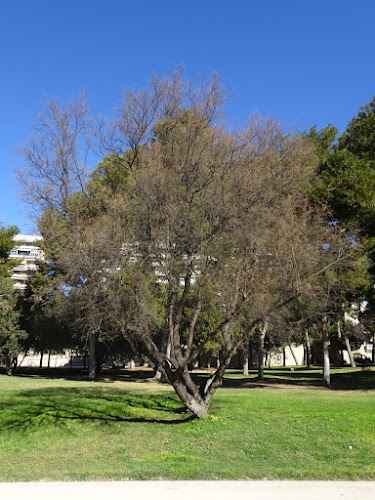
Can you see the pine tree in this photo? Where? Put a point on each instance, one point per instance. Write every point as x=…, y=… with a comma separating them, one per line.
x=10, y=333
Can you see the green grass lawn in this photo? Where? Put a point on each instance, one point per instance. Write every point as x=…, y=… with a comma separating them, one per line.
x=65, y=429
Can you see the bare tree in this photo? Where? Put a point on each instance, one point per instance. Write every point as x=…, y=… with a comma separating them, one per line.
x=56, y=156
x=54, y=175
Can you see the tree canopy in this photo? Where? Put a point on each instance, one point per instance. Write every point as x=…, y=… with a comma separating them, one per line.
x=187, y=237
x=347, y=173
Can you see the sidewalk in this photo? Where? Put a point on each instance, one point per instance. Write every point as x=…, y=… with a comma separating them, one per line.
x=195, y=490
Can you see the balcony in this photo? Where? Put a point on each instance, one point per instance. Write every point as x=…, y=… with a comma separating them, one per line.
x=20, y=276
x=19, y=286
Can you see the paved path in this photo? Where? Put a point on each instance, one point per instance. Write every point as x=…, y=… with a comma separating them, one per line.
x=192, y=490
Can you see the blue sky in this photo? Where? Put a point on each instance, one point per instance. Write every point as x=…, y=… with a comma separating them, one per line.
x=303, y=62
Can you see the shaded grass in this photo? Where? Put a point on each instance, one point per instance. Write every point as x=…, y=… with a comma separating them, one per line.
x=341, y=378
x=61, y=429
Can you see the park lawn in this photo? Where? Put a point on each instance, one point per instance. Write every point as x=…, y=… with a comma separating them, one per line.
x=66, y=429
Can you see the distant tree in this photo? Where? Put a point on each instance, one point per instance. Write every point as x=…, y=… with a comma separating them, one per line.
x=7, y=235
x=347, y=174
x=359, y=136
x=45, y=314
x=56, y=157
x=56, y=160
x=346, y=182
x=10, y=332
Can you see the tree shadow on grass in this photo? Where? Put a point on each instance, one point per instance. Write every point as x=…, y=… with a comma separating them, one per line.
x=107, y=375
x=299, y=378
x=55, y=407
x=234, y=380
x=362, y=379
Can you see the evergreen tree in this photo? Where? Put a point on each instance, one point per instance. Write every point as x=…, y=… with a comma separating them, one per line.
x=6, y=244
x=10, y=333
x=346, y=182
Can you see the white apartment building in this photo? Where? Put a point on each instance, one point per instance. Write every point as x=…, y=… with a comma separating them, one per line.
x=28, y=252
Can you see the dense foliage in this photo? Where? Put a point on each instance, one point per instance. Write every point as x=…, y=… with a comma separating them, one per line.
x=10, y=332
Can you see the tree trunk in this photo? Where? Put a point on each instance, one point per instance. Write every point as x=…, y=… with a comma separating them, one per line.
x=8, y=365
x=195, y=397
x=340, y=357
x=284, y=357
x=349, y=349
x=266, y=361
x=270, y=359
x=23, y=359
x=261, y=338
x=293, y=354
x=198, y=398
x=165, y=348
x=92, y=357
x=49, y=359
x=245, y=365
x=250, y=351
x=41, y=360
x=195, y=404
x=308, y=349
x=326, y=379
